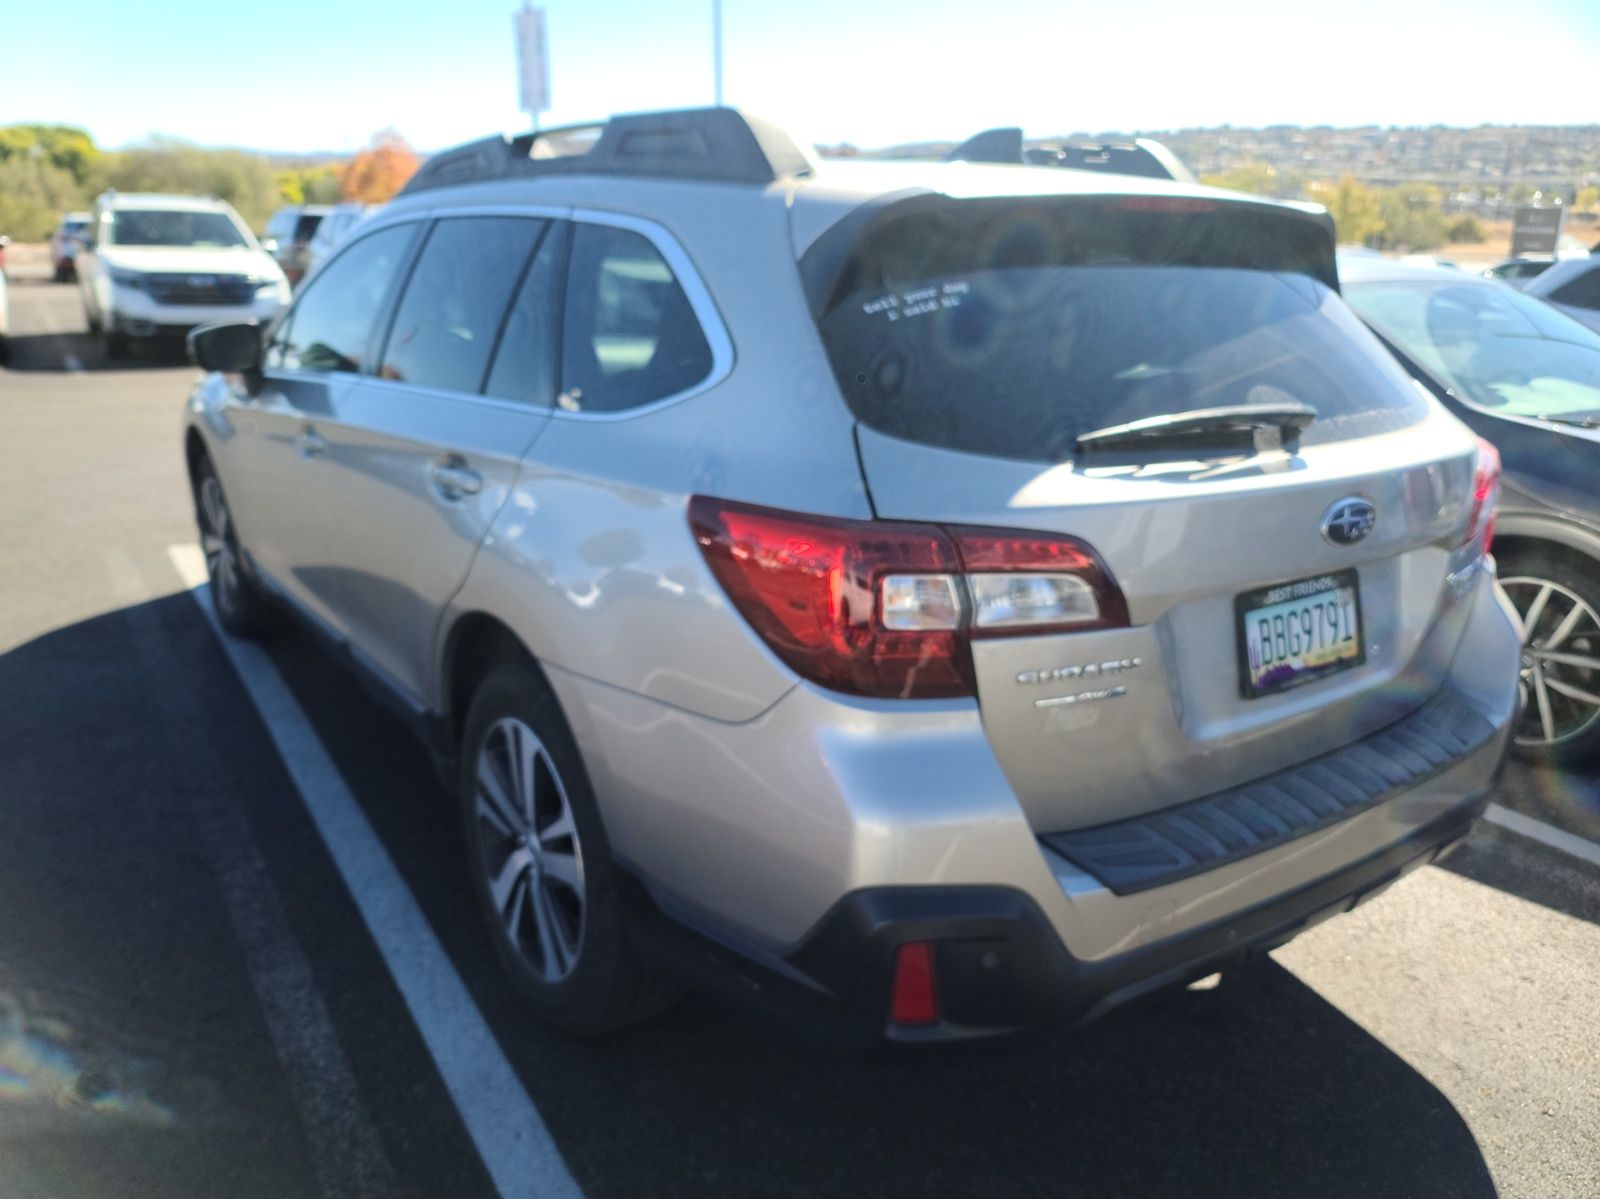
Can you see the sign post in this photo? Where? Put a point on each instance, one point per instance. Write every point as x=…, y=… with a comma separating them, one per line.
x=1536, y=230
x=533, y=60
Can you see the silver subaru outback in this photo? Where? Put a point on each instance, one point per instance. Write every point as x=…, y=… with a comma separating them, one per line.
x=929, y=600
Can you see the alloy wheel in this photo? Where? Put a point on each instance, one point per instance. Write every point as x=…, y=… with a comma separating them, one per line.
x=1560, y=674
x=216, y=540
x=528, y=849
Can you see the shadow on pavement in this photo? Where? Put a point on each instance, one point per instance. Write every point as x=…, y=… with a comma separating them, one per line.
x=61, y=353
x=1256, y=1087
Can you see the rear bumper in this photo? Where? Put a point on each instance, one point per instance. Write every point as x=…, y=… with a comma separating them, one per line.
x=1000, y=967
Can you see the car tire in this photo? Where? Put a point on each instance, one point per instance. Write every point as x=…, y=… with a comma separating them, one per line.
x=1559, y=724
x=115, y=341
x=241, y=606
x=540, y=866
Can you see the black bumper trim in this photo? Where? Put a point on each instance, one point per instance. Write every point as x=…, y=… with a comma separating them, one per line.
x=1000, y=966
x=1190, y=838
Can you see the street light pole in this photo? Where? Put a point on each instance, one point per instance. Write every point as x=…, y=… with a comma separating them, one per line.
x=716, y=48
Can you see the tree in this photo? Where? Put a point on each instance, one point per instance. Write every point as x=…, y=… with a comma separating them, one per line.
x=1587, y=199
x=1354, y=208
x=1465, y=230
x=34, y=192
x=63, y=146
x=1259, y=178
x=246, y=181
x=379, y=171
x=1412, y=218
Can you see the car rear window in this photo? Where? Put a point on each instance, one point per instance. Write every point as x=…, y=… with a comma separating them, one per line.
x=1009, y=328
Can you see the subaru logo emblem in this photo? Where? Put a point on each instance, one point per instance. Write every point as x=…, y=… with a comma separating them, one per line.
x=1349, y=520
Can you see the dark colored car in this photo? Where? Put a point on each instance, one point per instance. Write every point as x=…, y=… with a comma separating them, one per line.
x=1517, y=271
x=1526, y=377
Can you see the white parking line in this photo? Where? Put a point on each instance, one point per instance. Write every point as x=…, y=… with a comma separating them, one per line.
x=1545, y=834
x=506, y=1128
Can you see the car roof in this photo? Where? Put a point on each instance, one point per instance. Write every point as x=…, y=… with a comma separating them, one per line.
x=158, y=200
x=1359, y=268
x=80, y=217
x=1564, y=271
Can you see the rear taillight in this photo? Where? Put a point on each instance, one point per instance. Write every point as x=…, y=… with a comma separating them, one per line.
x=1485, y=496
x=887, y=608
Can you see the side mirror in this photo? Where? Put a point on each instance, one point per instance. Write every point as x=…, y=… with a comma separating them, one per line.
x=234, y=348
x=269, y=244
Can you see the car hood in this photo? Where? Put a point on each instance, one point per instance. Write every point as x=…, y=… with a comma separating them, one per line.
x=190, y=259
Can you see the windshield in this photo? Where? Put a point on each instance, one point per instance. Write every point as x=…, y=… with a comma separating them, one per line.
x=177, y=227
x=1015, y=336
x=1494, y=347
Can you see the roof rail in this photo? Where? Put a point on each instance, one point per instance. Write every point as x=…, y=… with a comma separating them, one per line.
x=711, y=145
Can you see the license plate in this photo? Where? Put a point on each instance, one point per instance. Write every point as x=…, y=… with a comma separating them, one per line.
x=1298, y=632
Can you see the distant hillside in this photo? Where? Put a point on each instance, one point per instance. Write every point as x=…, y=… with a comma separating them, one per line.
x=1554, y=158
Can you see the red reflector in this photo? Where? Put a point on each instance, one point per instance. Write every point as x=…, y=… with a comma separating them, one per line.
x=914, y=1000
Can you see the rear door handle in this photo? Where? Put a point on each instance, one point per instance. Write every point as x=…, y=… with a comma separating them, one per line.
x=453, y=478
x=310, y=443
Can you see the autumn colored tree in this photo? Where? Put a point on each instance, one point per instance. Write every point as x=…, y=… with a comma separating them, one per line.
x=378, y=172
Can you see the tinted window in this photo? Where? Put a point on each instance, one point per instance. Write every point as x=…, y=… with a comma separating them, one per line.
x=456, y=299
x=158, y=227
x=631, y=336
x=1011, y=329
x=524, y=365
x=331, y=325
x=1582, y=292
x=307, y=225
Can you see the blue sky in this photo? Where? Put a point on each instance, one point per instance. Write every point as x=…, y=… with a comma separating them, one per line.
x=325, y=74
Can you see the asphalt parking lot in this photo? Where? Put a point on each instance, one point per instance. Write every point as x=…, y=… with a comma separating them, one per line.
x=201, y=995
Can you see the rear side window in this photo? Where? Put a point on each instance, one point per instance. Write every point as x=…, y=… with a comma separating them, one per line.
x=306, y=226
x=1010, y=328
x=1582, y=292
x=630, y=336
x=445, y=328
x=525, y=362
x=332, y=323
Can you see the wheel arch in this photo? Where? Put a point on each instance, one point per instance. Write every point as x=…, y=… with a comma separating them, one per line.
x=1530, y=531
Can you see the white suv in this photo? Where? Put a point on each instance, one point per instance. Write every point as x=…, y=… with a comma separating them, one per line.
x=154, y=265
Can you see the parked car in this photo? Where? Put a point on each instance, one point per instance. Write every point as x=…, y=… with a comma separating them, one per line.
x=333, y=229
x=1572, y=285
x=154, y=265
x=831, y=580
x=1527, y=378
x=1517, y=271
x=4, y=242
x=288, y=236
x=1140, y=156
x=64, y=245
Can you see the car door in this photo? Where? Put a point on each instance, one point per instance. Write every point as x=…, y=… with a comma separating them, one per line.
x=278, y=484
x=422, y=457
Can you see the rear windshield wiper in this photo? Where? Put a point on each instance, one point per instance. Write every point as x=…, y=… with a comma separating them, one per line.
x=1231, y=426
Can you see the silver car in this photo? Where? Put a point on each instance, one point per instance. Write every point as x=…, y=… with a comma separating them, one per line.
x=929, y=600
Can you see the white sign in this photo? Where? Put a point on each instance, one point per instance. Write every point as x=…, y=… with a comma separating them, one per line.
x=533, y=59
